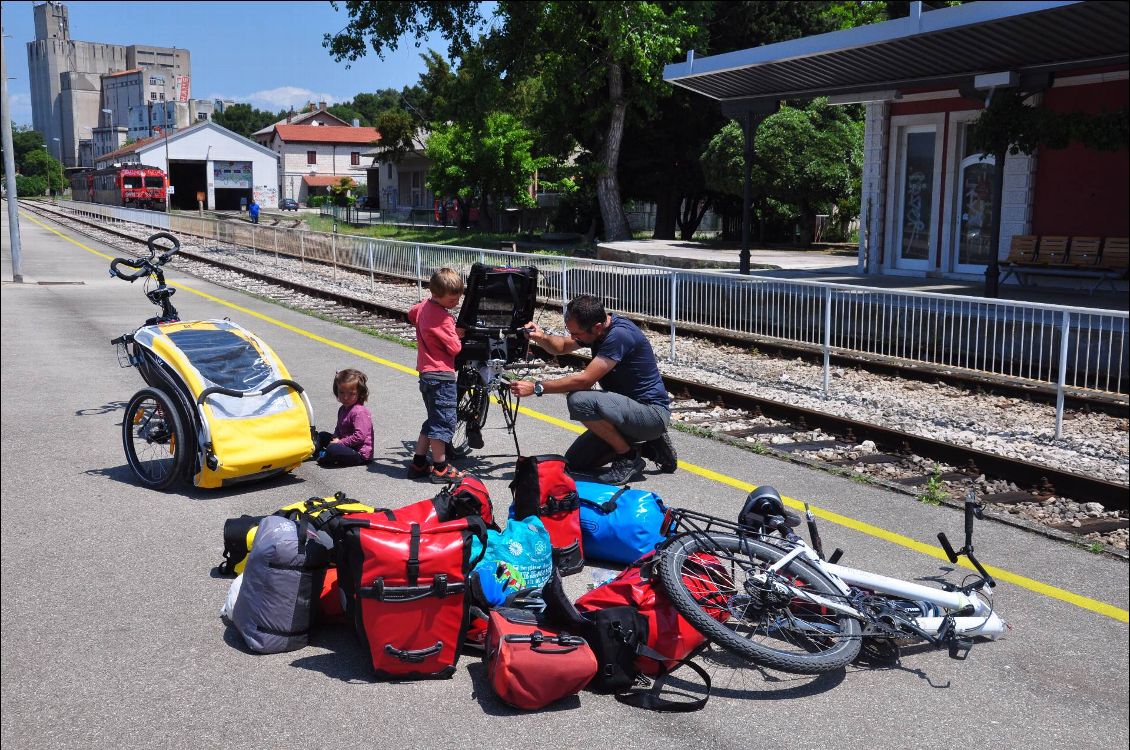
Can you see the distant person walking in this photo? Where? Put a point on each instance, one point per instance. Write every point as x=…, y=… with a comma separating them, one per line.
x=253, y=211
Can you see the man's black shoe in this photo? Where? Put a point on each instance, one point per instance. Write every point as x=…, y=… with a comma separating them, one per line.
x=622, y=469
x=661, y=452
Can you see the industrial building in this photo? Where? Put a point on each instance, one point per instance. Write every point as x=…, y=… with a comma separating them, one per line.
x=88, y=98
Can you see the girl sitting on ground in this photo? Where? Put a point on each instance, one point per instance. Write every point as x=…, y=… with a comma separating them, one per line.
x=351, y=443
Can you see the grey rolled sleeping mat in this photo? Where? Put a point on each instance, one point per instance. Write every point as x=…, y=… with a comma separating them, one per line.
x=281, y=584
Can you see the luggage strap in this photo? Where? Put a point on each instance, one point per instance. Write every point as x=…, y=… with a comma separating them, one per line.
x=414, y=555
x=559, y=504
x=608, y=505
x=648, y=694
x=440, y=587
x=538, y=639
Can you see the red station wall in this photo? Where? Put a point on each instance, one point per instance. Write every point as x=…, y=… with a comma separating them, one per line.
x=1079, y=191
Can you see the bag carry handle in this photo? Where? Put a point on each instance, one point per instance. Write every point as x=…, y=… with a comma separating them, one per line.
x=440, y=587
x=608, y=505
x=538, y=639
x=414, y=657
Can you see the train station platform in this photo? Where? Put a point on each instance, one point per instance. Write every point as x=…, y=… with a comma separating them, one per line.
x=836, y=268
x=111, y=634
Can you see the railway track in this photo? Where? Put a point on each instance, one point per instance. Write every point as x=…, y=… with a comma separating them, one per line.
x=935, y=471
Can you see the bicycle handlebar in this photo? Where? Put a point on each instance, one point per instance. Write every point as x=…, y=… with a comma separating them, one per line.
x=164, y=257
x=142, y=265
x=150, y=265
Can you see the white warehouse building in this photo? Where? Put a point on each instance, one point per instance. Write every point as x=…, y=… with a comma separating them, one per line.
x=209, y=163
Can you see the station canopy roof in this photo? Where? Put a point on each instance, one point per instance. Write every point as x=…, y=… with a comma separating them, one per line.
x=938, y=48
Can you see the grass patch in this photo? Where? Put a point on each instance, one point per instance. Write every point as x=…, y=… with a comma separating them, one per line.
x=441, y=236
x=935, y=491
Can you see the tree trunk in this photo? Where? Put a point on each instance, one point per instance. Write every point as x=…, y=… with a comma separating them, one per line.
x=666, y=213
x=694, y=210
x=607, y=183
x=484, y=213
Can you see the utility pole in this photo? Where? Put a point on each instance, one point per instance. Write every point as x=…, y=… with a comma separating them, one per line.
x=9, y=165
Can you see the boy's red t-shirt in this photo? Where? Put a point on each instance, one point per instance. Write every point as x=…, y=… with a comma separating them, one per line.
x=437, y=343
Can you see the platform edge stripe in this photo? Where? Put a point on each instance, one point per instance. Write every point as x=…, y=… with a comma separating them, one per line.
x=1078, y=600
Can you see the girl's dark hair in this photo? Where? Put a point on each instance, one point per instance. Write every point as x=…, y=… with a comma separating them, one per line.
x=586, y=310
x=358, y=378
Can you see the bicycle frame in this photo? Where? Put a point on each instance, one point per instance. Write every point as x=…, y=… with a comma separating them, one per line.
x=963, y=613
x=977, y=618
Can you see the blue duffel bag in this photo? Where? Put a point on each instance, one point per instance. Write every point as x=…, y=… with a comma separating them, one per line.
x=619, y=524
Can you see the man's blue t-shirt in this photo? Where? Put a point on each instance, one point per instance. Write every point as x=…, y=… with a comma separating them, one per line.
x=636, y=375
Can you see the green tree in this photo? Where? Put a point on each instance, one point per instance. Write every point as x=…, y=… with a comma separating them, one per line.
x=806, y=160
x=245, y=119
x=24, y=141
x=341, y=192
x=30, y=186
x=600, y=60
x=483, y=166
x=39, y=163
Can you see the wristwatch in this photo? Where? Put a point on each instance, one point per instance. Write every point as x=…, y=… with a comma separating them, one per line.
x=538, y=388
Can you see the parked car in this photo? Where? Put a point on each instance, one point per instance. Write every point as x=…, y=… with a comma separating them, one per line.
x=363, y=204
x=288, y=204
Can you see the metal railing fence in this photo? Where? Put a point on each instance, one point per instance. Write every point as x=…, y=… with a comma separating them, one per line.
x=1076, y=348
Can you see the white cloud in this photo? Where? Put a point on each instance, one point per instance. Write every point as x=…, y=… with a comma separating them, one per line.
x=283, y=97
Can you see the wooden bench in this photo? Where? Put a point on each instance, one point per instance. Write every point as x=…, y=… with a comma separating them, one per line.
x=1081, y=257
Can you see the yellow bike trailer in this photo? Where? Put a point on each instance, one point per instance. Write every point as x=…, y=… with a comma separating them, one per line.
x=234, y=398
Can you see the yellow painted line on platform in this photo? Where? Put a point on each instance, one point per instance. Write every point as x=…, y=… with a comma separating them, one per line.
x=1084, y=602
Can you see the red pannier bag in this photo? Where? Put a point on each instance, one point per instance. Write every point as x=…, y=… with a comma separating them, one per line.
x=467, y=497
x=329, y=601
x=406, y=591
x=668, y=633
x=529, y=666
x=542, y=488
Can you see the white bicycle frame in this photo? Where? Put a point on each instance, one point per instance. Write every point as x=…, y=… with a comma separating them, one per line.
x=981, y=621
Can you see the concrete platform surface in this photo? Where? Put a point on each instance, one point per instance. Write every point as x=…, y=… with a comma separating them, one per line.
x=110, y=629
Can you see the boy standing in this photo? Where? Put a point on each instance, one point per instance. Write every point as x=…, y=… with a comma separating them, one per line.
x=437, y=343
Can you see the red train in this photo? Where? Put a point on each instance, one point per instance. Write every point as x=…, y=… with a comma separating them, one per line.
x=130, y=185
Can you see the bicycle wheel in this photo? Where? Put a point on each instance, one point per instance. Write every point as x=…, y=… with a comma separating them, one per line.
x=155, y=440
x=735, y=606
x=470, y=413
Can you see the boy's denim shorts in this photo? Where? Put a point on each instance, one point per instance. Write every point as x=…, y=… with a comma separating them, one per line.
x=439, y=398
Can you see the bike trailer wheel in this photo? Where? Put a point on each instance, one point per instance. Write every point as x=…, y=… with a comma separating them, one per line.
x=746, y=615
x=155, y=440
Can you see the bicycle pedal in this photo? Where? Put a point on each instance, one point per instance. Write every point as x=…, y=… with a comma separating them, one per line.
x=959, y=648
x=475, y=440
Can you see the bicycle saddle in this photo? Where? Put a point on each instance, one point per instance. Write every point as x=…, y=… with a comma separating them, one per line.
x=762, y=504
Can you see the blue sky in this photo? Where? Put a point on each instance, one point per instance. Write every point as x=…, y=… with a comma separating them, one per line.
x=268, y=54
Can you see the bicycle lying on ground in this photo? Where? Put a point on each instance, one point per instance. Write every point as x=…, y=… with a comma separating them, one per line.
x=220, y=405
x=773, y=599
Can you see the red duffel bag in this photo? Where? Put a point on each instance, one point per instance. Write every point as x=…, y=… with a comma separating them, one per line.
x=406, y=592
x=669, y=633
x=530, y=666
x=542, y=488
x=467, y=497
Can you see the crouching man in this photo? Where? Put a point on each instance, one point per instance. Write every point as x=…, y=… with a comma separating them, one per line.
x=628, y=419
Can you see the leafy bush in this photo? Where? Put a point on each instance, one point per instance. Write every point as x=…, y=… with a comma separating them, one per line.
x=30, y=186
x=314, y=201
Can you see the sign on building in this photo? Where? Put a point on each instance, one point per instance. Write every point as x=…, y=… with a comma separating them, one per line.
x=183, y=86
x=232, y=174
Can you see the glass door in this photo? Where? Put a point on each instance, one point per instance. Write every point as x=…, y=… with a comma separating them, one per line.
x=914, y=207
x=973, y=219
